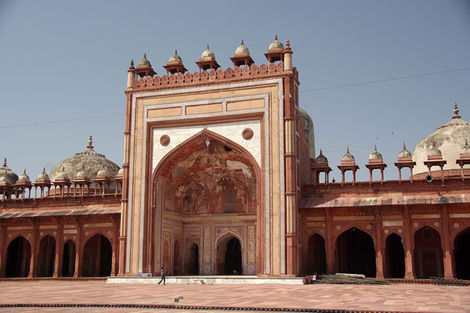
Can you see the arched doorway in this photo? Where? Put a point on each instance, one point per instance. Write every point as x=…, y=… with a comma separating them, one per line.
x=68, y=260
x=176, y=258
x=45, y=260
x=97, y=256
x=462, y=255
x=18, y=258
x=192, y=261
x=316, y=255
x=204, y=176
x=394, y=257
x=229, y=256
x=355, y=253
x=428, y=253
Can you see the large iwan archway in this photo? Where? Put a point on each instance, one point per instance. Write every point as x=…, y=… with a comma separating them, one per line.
x=201, y=188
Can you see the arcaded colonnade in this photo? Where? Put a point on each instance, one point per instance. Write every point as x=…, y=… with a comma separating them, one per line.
x=85, y=246
x=429, y=237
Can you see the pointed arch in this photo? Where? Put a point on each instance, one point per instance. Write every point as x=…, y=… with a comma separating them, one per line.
x=18, y=257
x=229, y=254
x=355, y=252
x=428, y=261
x=170, y=190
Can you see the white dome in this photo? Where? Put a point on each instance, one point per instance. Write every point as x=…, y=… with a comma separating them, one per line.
x=449, y=139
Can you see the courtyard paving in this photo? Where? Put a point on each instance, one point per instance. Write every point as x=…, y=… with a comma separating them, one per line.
x=388, y=298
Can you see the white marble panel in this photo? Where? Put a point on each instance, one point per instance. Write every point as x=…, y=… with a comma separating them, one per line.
x=232, y=131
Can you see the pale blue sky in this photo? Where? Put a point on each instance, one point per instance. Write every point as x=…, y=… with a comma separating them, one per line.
x=62, y=60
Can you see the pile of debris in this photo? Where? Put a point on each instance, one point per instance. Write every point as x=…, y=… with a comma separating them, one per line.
x=345, y=278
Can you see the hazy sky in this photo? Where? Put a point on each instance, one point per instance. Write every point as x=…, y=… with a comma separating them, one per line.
x=63, y=68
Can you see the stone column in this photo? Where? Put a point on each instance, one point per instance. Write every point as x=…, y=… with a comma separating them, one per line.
x=59, y=251
x=329, y=244
x=34, y=244
x=379, y=261
x=78, y=248
x=408, y=244
x=3, y=249
x=447, y=246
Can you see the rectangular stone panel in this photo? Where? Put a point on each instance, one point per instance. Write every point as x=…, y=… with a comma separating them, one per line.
x=204, y=108
x=164, y=112
x=245, y=105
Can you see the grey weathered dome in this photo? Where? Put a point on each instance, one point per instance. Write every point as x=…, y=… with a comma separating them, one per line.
x=433, y=151
x=43, y=177
x=242, y=49
x=449, y=139
x=89, y=162
x=24, y=178
x=276, y=44
x=404, y=154
x=207, y=54
x=7, y=173
x=375, y=156
x=321, y=158
x=61, y=176
x=144, y=61
x=175, y=58
x=348, y=157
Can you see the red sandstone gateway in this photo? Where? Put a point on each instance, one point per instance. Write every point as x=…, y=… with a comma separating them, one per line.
x=220, y=177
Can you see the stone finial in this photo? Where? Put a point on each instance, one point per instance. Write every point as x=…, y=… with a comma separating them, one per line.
x=287, y=44
x=132, y=64
x=456, y=111
x=90, y=143
x=404, y=146
x=5, y=162
x=275, y=37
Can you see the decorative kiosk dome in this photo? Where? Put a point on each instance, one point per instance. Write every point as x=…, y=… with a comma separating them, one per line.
x=321, y=159
x=24, y=178
x=276, y=44
x=207, y=54
x=7, y=174
x=348, y=157
x=375, y=156
x=404, y=154
x=84, y=164
x=448, y=140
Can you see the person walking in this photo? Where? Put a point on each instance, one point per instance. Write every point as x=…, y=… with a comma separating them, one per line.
x=162, y=273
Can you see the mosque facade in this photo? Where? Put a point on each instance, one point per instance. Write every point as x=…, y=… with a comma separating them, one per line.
x=220, y=177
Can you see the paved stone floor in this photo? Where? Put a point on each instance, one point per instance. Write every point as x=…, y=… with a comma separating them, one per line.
x=395, y=298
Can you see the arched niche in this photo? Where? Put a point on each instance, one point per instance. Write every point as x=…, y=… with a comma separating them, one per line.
x=462, y=254
x=316, y=262
x=18, y=257
x=97, y=257
x=394, y=257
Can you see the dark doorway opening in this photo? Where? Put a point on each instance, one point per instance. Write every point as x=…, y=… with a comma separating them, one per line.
x=18, y=258
x=428, y=253
x=233, y=257
x=97, y=257
x=192, y=264
x=394, y=257
x=316, y=255
x=68, y=263
x=462, y=255
x=46, y=257
x=176, y=258
x=355, y=253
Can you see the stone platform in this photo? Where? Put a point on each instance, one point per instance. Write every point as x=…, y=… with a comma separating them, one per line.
x=208, y=280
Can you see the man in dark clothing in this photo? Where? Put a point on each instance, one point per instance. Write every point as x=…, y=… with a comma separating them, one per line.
x=162, y=273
